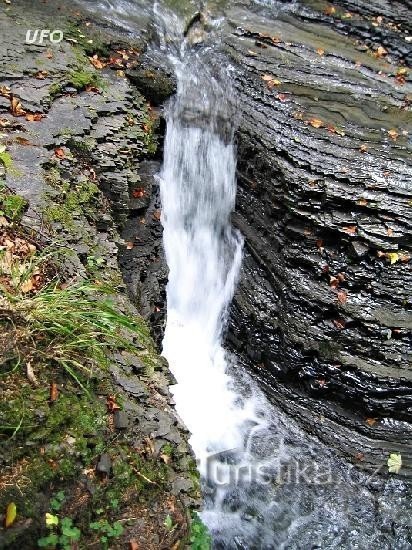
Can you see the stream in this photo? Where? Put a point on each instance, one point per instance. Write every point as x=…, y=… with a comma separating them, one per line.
x=266, y=483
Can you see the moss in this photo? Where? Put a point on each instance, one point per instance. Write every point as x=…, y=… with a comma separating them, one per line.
x=81, y=78
x=55, y=89
x=6, y=159
x=73, y=200
x=12, y=206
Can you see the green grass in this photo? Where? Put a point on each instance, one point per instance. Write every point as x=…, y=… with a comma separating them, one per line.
x=72, y=327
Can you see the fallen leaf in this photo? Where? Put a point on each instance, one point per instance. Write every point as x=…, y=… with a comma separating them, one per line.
x=282, y=97
x=330, y=10
x=331, y=128
x=363, y=148
x=362, y=202
x=360, y=457
x=342, y=296
x=138, y=192
x=339, y=323
x=96, y=62
x=22, y=141
x=27, y=286
x=41, y=75
x=157, y=215
x=315, y=122
x=393, y=134
x=93, y=89
x=133, y=545
x=350, y=230
x=59, y=152
x=54, y=392
x=129, y=245
x=34, y=117
x=320, y=51
x=49, y=54
x=112, y=406
x=393, y=257
x=333, y=282
x=165, y=458
x=30, y=374
x=5, y=92
x=381, y=52
x=394, y=463
x=371, y=421
x=16, y=108
x=11, y=513
x=340, y=277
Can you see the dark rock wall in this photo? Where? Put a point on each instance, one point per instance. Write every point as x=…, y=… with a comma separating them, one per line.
x=322, y=309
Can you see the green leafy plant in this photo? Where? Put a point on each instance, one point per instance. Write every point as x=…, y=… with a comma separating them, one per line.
x=199, y=535
x=62, y=533
x=57, y=501
x=107, y=531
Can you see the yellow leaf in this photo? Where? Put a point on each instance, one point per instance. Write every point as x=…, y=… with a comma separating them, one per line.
x=51, y=520
x=11, y=513
x=393, y=257
x=394, y=463
x=320, y=51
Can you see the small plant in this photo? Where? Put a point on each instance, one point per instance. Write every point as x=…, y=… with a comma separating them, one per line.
x=57, y=501
x=62, y=533
x=199, y=535
x=107, y=531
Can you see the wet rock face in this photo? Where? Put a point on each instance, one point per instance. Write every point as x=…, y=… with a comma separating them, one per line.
x=324, y=189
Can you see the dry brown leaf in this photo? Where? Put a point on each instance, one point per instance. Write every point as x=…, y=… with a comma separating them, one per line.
x=165, y=458
x=59, y=152
x=129, y=245
x=320, y=51
x=381, y=52
x=350, y=230
x=34, y=117
x=96, y=62
x=30, y=375
x=360, y=457
x=315, y=122
x=22, y=141
x=133, y=545
x=54, y=392
x=393, y=134
x=5, y=92
x=362, y=202
x=16, y=108
x=41, y=75
x=371, y=421
x=363, y=148
x=330, y=10
x=342, y=296
x=27, y=286
x=339, y=323
x=333, y=282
